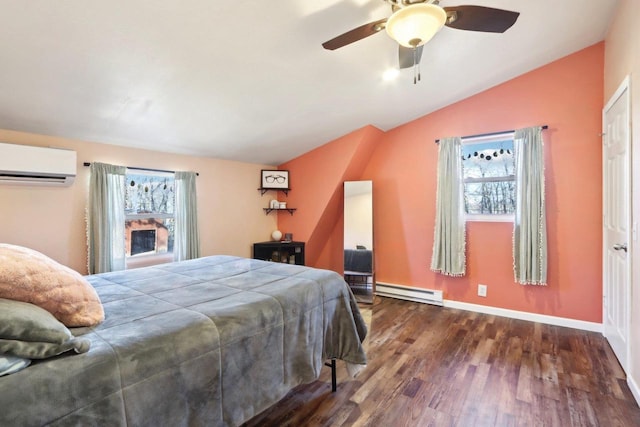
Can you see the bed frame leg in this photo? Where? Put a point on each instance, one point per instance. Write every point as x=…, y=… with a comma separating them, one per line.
x=334, y=382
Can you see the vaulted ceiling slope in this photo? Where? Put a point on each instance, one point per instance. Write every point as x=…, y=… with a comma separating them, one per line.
x=248, y=80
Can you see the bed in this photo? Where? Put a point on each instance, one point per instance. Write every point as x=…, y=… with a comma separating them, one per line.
x=212, y=341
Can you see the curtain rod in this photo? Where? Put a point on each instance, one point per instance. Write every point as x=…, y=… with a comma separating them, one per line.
x=143, y=169
x=480, y=135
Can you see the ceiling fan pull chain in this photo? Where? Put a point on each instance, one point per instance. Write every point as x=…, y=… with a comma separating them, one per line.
x=415, y=66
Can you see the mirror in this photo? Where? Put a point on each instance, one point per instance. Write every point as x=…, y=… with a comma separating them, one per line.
x=358, y=239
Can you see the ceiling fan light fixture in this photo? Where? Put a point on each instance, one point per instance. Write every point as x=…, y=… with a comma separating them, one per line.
x=414, y=25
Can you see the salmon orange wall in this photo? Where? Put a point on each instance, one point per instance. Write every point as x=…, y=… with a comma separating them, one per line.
x=316, y=181
x=567, y=96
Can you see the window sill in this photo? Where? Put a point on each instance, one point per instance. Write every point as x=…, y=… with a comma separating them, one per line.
x=148, y=260
x=489, y=218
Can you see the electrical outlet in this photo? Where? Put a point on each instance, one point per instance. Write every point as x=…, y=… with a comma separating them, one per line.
x=482, y=290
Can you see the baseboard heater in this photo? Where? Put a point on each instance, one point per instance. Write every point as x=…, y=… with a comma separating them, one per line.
x=428, y=296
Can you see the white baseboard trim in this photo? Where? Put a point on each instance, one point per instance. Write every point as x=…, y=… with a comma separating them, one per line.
x=635, y=390
x=523, y=315
x=435, y=297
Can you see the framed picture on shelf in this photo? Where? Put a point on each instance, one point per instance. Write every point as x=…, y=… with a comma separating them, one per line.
x=274, y=179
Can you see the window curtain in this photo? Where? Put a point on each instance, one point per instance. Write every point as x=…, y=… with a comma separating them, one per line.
x=187, y=240
x=448, y=256
x=530, y=224
x=105, y=218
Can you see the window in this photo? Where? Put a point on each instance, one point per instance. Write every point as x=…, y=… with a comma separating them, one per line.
x=149, y=213
x=488, y=167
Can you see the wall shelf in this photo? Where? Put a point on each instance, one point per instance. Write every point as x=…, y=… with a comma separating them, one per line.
x=264, y=190
x=267, y=211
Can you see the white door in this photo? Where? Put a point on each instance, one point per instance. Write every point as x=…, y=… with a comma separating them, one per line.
x=616, y=222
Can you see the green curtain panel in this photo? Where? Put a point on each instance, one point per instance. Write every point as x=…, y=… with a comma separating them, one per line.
x=105, y=218
x=449, y=243
x=530, y=224
x=187, y=239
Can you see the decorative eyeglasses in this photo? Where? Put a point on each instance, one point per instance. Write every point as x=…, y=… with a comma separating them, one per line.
x=275, y=178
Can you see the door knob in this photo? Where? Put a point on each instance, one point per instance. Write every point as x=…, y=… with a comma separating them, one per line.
x=619, y=246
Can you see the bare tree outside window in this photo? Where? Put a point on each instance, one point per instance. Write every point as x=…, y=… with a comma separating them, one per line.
x=149, y=194
x=489, y=177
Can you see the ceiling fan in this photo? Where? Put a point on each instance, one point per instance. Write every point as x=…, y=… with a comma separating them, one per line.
x=415, y=22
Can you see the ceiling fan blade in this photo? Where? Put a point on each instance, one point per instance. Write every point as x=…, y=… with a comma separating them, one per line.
x=405, y=56
x=480, y=18
x=354, y=35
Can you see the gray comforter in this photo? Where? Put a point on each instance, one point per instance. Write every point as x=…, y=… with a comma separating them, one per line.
x=212, y=341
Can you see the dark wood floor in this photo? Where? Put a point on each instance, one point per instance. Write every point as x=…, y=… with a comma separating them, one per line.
x=434, y=366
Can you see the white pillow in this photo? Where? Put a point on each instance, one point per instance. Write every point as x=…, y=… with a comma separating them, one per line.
x=12, y=364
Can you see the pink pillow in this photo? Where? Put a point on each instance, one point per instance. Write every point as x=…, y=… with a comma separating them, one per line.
x=29, y=276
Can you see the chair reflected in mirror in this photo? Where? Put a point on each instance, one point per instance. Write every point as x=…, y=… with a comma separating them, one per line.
x=358, y=239
x=358, y=272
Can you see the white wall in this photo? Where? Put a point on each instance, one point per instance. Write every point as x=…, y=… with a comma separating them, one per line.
x=622, y=58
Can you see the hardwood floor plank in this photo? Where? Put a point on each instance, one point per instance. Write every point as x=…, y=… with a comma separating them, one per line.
x=435, y=366
x=524, y=388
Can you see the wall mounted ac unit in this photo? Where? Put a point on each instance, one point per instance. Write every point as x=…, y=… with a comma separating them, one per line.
x=29, y=165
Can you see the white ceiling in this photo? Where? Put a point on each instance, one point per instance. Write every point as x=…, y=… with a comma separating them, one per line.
x=248, y=80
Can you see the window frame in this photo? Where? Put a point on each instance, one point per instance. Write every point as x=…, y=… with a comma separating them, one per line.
x=138, y=260
x=487, y=139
